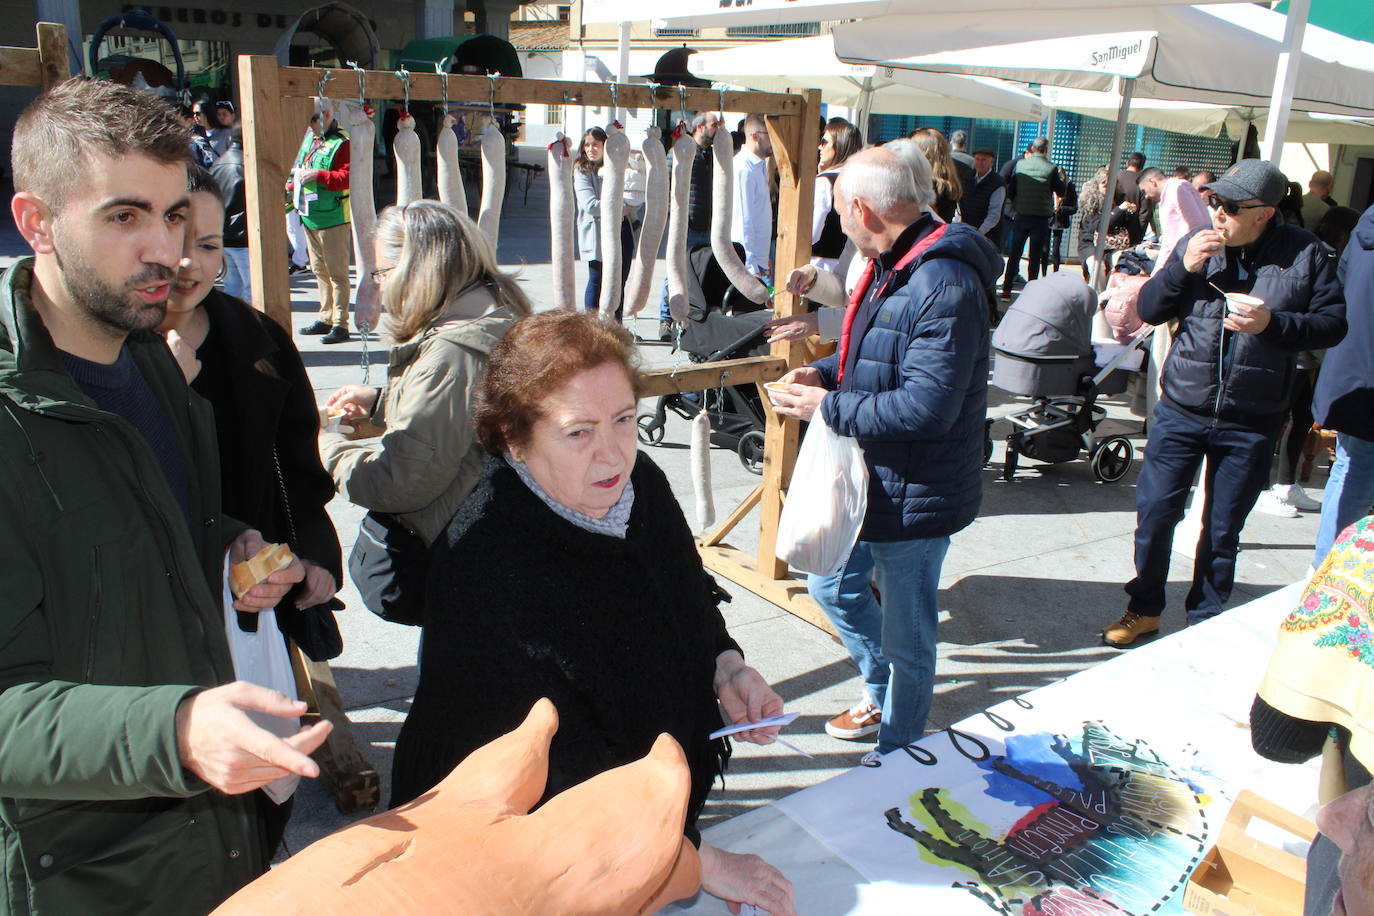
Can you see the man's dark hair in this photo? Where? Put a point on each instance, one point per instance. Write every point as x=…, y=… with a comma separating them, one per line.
x=1181, y=171
x=1152, y=172
x=1207, y=176
x=1135, y=161
x=1040, y=146
x=56, y=133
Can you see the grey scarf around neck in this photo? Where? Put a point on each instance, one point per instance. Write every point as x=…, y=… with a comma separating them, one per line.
x=613, y=524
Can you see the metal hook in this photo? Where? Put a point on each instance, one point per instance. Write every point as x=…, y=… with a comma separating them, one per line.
x=323, y=81
x=362, y=81
x=653, y=95
x=491, y=95
x=404, y=76
x=615, y=103
x=721, y=92
x=682, y=97
x=441, y=68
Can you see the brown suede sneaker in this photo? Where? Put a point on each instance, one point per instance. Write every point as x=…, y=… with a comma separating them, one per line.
x=1129, y=628
x=858, y=721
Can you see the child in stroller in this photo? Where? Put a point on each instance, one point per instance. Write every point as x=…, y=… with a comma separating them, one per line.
x=722, y=324
x=1044, y=349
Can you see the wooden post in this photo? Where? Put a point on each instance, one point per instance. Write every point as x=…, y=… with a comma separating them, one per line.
x=267, y=160
x=795, y=140
x=350, y=777
x=54, y=64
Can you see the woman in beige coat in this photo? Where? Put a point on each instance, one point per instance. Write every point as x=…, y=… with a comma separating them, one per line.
x=446, y=305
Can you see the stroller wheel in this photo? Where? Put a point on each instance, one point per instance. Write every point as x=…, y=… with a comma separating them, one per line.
x=1112, y=459
x=750, y=450
x=650, y=429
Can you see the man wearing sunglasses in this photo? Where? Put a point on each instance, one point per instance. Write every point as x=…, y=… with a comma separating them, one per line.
x=1225, y=382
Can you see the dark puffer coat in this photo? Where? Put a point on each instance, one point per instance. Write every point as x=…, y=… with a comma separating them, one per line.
x=1344, y=399
x=1245, y=380
x=917, y=394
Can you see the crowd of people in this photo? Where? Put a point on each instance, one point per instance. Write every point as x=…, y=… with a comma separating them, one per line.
x=509, y=511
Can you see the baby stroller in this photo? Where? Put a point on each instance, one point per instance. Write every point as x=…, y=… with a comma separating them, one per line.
x=723, y=324
x=1043, y=349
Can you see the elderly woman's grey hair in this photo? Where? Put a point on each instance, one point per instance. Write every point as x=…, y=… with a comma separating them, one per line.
x=439, y=254
x=910, y=152
x=884, y=182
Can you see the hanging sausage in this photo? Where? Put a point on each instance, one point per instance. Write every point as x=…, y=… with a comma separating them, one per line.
x=406, y=148
x=562, y=210
x=655, y=217
x=493, y=180
x=617, y=156
x=684, y=148
x=701, y=468
x=722, y=210
x=451, y=190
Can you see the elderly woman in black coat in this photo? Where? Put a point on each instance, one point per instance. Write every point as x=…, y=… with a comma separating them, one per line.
x=570, y=573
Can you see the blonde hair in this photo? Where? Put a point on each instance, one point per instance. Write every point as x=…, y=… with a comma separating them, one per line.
x=933, y=143
x=439, y=254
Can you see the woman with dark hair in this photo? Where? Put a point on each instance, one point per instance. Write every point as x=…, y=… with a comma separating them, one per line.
x=570, y=573
x=839, y=141
x=587, y=188
x=266, y=424
x=944, y=169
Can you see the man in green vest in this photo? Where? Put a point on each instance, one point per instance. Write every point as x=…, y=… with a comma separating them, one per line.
x=318, y=191
x=1031, y=192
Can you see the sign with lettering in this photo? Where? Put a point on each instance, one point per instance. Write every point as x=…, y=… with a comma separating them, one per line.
x=220, y=16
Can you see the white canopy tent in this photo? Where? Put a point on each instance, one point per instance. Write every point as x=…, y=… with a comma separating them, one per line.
x=1229, y=55
x=775, y=66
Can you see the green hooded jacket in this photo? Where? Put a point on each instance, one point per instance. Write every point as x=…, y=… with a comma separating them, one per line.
x=108, y=620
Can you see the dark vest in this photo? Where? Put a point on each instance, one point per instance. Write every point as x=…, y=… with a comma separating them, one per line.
x=1034, y=186
x=699, y=193
x=832, y=241
x=973, y=206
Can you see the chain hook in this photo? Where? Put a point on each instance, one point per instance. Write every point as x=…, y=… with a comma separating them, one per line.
x=324, y=80
x=615, y=103
x=491, y=95
x=682, y=98
x=441, y=68
x=404, y=76
x=362, y=81
x=720, y=90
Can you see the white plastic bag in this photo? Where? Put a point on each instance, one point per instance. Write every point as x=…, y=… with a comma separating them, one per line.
x=260, y=658
x=826, y=503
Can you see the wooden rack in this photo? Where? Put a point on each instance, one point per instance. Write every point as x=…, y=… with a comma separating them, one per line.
x=277, y=104
x=43, y=66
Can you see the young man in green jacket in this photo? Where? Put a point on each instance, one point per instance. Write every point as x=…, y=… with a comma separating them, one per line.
x=127, y=744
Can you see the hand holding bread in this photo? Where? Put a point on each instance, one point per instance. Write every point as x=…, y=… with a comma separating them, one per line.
x=261, y=574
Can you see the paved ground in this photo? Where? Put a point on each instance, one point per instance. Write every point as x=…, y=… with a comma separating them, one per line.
x=1025, y=591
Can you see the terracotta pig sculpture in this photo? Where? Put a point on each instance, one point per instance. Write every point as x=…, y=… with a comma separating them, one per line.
x=612, y=845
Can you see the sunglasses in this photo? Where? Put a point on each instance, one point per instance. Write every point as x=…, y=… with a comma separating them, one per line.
x=1230, y=206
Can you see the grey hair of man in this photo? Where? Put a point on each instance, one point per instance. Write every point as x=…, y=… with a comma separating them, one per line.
x=1040, y=146
x=909, y=152
x=959, y=140
x=884, y=183
x=701, y=120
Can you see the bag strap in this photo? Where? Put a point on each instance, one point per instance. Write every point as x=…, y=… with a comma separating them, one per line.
x=285, y=501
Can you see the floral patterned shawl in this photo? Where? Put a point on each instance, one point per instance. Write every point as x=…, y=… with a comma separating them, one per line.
x=1322, y=669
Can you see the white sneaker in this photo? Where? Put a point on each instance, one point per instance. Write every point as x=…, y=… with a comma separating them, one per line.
x=858, y=721
x=871, y=759
x=1273, y=502
x=1298, y=498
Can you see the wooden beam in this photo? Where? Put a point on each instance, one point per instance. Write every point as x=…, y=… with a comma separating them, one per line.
x=19, y=67
x=795, y=143
x=787, y=593
x=54, y=63
x=734, y=518
x=266, y=164
x=704, y=376
x=352, y=780
x=384, y=84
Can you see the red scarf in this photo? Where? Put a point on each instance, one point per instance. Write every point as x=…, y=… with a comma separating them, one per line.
x=862, y=289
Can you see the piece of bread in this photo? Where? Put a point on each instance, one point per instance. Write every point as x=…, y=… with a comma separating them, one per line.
x=245, y=575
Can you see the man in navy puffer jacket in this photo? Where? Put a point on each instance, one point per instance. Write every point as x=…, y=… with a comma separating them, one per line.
x=1226, y=382
x=909, y=382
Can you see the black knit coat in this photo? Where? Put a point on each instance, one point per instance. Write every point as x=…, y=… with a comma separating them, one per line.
x=622, y=636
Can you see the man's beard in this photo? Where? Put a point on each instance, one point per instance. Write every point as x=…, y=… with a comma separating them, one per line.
x=117, y=309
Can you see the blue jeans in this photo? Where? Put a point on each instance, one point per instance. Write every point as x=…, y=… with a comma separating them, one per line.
x=236, y=282
x=591, y=296
x=893, y=644
x=1349, y=491
x=1036, y=230
x=1238, y=471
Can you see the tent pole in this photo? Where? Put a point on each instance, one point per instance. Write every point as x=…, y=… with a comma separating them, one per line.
x=865, y=103
x=1285, y=78
x=1113, y=164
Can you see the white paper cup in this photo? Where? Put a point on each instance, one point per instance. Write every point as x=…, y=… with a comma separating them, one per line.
x=1235, y=299
x=331, y=418
x=775, y=388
